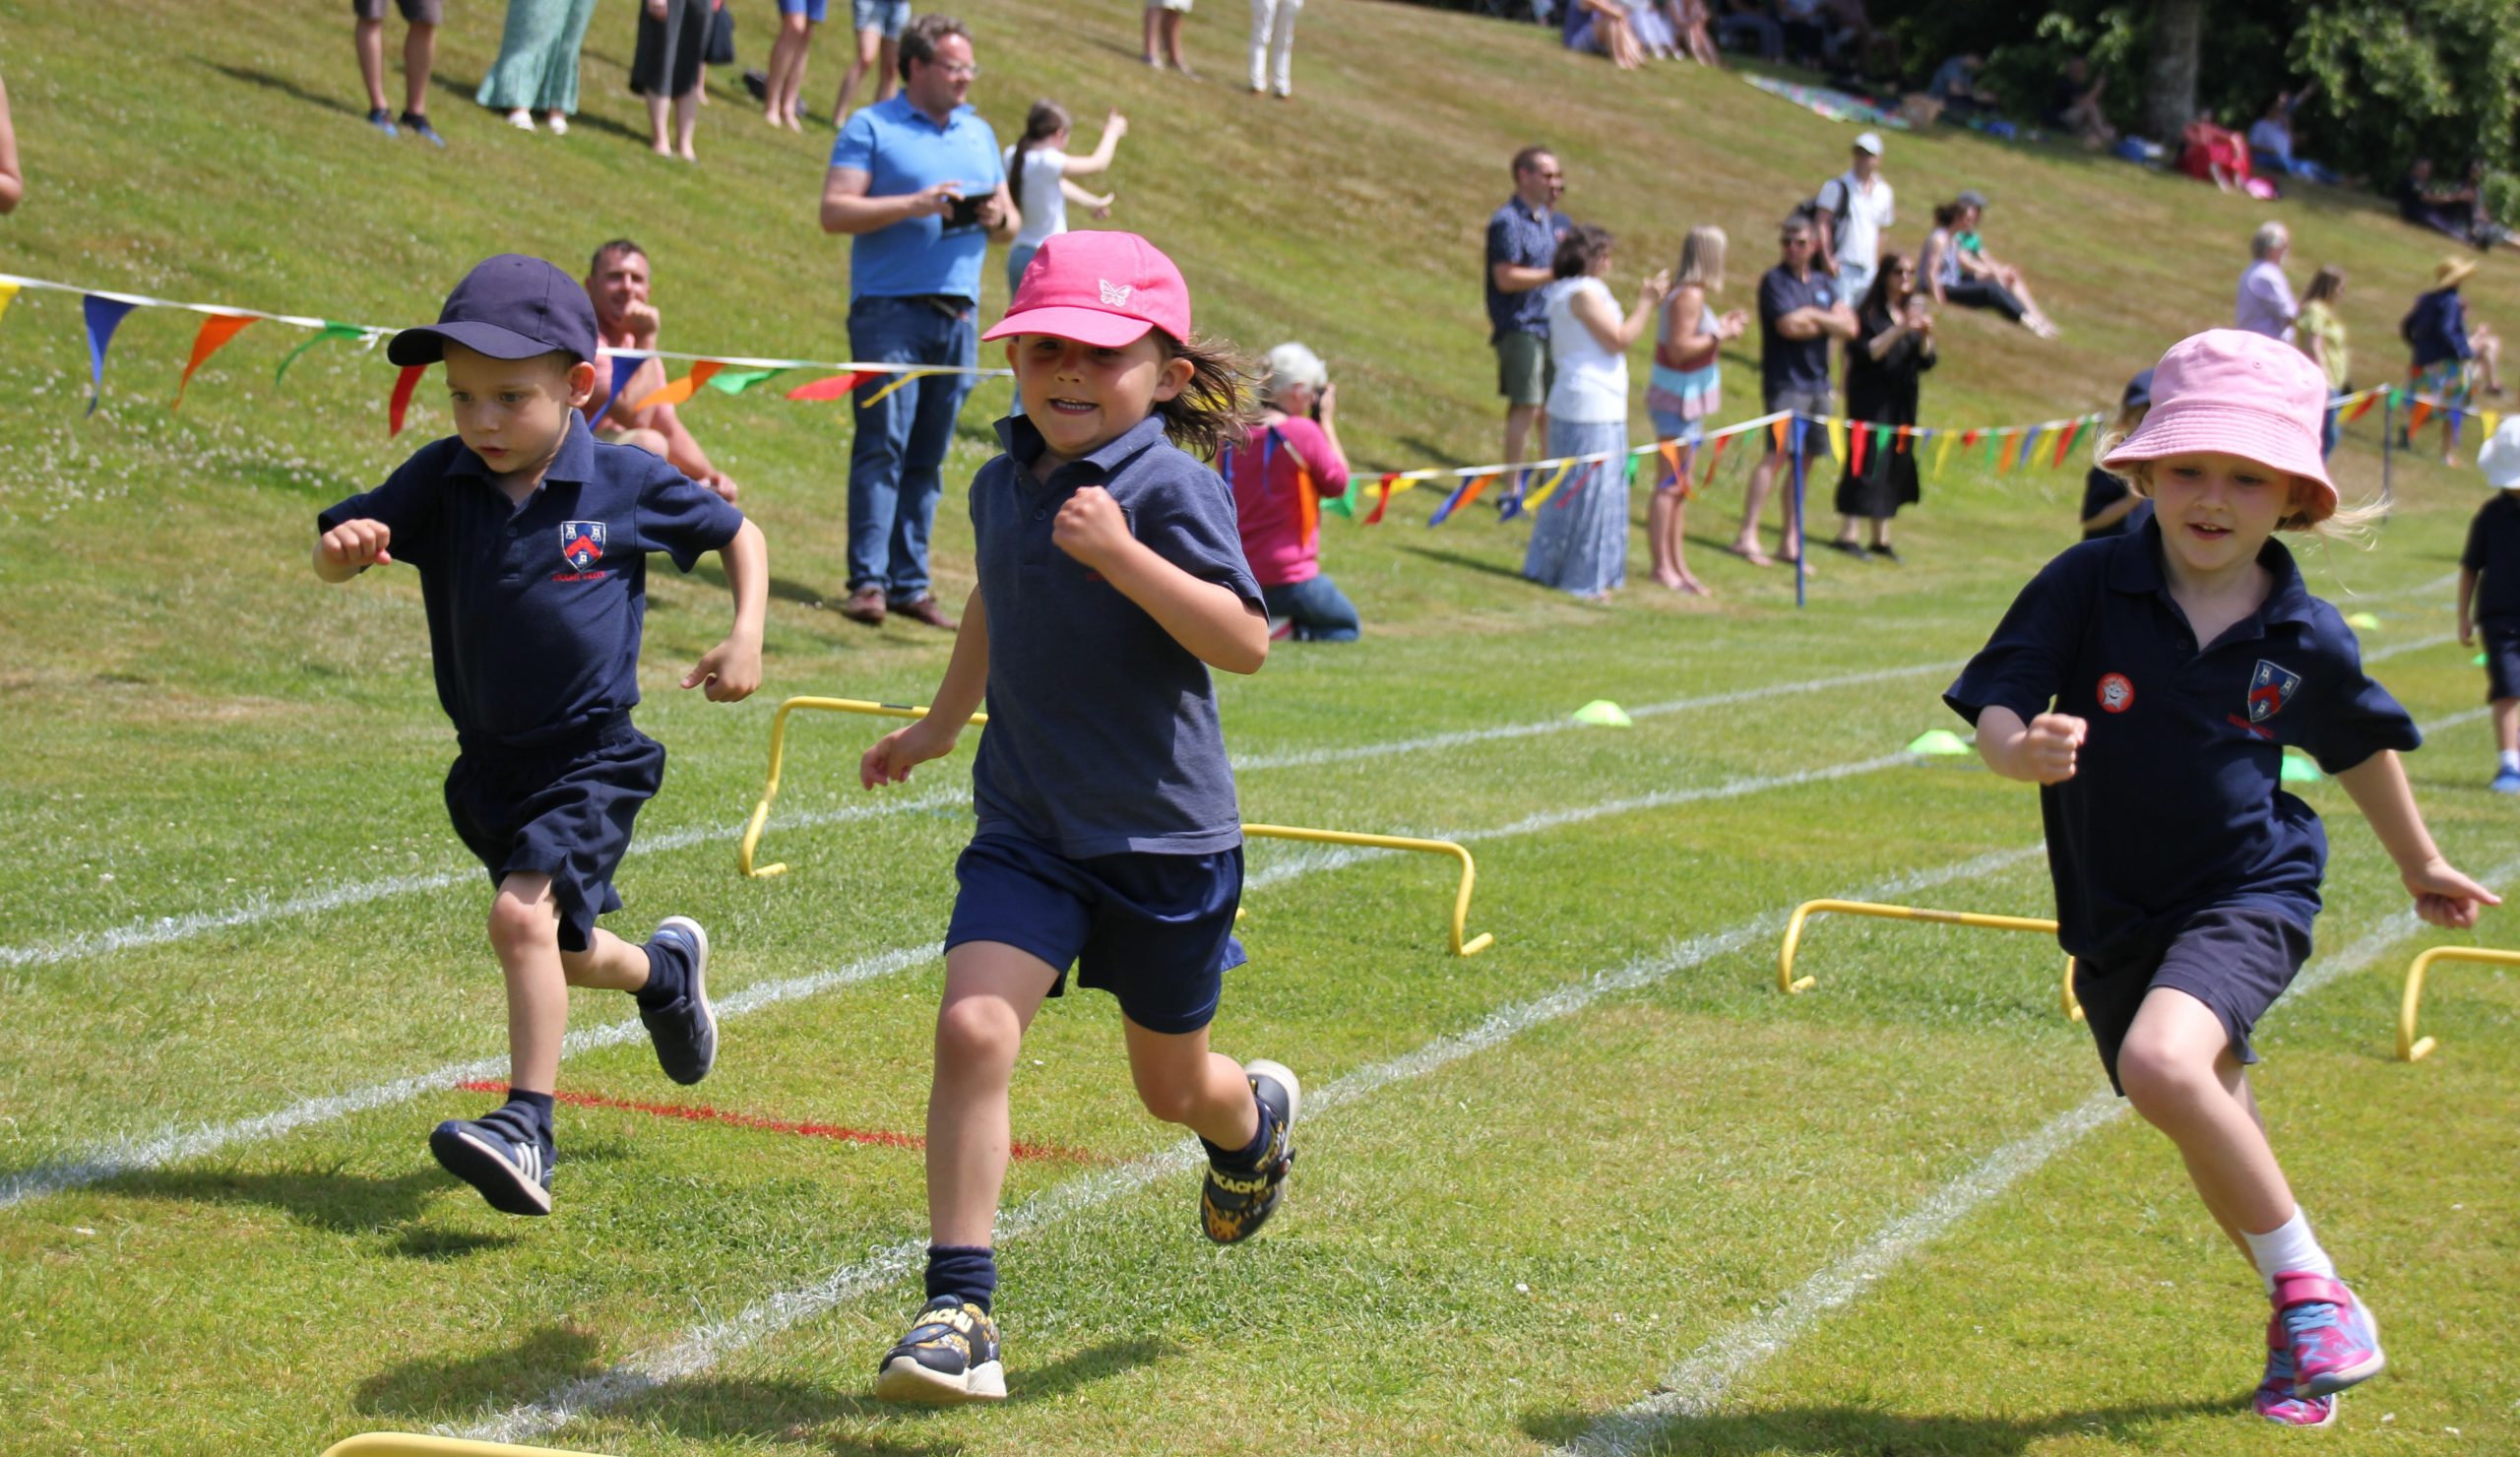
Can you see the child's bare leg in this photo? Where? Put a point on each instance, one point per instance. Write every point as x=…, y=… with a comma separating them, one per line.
x=419, y=54
x=525, y=932
x=368, y=37
x=1659, y=534
x=2506, y=725
x=991, y=991
x=2179, y=1071
x=1181, y=1081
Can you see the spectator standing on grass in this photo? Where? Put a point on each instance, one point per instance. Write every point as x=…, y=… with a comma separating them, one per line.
x=1161, y=25
x=795, y=40
x=665, y=68
x=2322, y=336
x=1522, y=248
x=2450, y=356
x=1892, y=350
x=1289, y=461
x=1038, y=170
x=1850, y=212
x=2491, y=560
x=616, y=284
x=878, y=24
x=920, y=186
x=421, y=19
x=538, y=65
x=2265, y=301
x=1800, y=310
x=1579, y=535
x=1272, y=45
x=1685, y=391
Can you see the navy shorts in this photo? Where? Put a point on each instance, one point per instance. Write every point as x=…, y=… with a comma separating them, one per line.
x=2235, y=959
x=562, y=811
x=2502, y=664
x=1155, y=930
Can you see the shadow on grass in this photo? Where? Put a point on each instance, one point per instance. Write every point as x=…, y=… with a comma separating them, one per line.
x=840, y=1416
x=344, y=1203
x=1467, y=563
x=442, y=1389
x=785, y=589
x=1855, y=1428
x=287, y=87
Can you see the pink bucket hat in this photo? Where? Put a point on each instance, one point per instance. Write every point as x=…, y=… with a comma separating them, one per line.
x=2232, y=391
x=1099, y=287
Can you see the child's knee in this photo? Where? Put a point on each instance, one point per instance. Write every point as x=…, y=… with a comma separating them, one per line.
x=977, y=1032
x=519, y=925
x=1172, y=1101
x=2161, y=1075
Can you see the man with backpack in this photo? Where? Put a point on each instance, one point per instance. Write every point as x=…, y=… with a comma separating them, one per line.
x=1847, y=219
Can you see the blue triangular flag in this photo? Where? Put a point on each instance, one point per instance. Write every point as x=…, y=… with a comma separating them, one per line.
x=104, y=315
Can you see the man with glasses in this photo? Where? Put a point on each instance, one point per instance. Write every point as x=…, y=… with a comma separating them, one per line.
x=1522, y=244
x=917, y=183
x=1800, y=309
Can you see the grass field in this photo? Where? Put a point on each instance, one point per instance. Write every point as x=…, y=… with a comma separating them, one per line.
x=1600, y=1184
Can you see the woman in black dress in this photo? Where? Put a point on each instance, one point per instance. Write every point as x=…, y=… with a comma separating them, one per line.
x=1893, y=345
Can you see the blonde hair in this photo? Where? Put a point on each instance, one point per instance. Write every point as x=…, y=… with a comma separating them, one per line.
x=1701, y=259
x=2351, y=523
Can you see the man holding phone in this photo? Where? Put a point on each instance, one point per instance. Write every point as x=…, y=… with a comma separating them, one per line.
x=918, y=184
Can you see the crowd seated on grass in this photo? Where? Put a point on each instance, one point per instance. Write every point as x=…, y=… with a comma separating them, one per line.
x=2270, y=141
x=1958, y=269
x=2453, y=209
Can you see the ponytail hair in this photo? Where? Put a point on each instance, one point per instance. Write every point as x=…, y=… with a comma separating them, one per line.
x=1046, y=120
x=1216, y=407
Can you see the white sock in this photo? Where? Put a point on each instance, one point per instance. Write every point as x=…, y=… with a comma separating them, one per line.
x=2287, y=1248
x=2511, y=760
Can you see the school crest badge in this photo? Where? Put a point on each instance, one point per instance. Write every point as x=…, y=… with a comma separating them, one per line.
x=581, y=543
x=2270, y=688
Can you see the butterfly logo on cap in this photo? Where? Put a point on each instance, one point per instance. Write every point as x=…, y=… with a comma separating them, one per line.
x=1114, y=296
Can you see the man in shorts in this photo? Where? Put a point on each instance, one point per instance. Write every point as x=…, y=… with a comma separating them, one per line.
x=419, y=52
x=1522, y=245
x=1800, y=309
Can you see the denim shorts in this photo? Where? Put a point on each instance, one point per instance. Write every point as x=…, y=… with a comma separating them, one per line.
x=563, y=810
x=2235, y=959
x=887, y=15
x=1155, y=930
x=812, y=10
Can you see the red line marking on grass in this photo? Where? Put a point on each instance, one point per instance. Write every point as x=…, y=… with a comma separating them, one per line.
x=702, y=1114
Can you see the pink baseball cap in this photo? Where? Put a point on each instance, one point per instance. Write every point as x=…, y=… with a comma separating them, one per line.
x=2232, y=391
x=1098, y=288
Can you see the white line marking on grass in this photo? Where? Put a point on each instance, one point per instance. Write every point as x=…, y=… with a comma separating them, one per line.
x=133, y=1155
x=2419, y=645
x=703, y=1346
x=254, y=912
x=1698, y=1384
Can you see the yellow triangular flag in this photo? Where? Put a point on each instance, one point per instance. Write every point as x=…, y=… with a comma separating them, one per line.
x=1837, y=439
x=8, y=295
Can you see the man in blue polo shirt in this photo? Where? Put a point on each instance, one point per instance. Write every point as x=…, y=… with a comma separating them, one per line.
x=918, y=184
x=1522, y=244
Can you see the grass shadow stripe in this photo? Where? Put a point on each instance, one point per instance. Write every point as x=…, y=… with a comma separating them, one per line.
x=1061, y=1205
x=701, y=1113
x=1698, y=1384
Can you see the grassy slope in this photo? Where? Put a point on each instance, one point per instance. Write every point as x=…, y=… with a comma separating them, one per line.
x=191, y=721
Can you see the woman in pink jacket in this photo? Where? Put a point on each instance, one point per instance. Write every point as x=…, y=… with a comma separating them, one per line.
x=1280, y=473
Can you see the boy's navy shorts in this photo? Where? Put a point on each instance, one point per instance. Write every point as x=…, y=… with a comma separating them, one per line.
x=563, y=810
x=2501, y=663
x=2235, y=959
x=1155, y=930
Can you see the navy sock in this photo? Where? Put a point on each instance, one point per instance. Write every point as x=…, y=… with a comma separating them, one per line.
x=1248, y=1159
x=535, y=1108
x=966, y=1272
x=668, y=977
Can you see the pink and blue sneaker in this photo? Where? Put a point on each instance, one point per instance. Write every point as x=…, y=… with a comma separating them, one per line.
x=2274, y=1399
x=2335, y=1342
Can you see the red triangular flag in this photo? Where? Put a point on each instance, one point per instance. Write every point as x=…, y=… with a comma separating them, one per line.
x=2065, y=441
x=215, y=330
x=395, y=409
x=1382, y=501
x=2365, y=408
x=1856, y=461
x=1716, y=455
x=835, y=387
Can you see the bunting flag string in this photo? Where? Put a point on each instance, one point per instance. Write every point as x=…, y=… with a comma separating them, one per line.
x=104, y=315
x=679, y=390
x=215, y=330
x=1469, y=492
x=1533, y=500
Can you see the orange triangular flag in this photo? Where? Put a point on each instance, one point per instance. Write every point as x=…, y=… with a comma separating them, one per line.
x=2416, y=417
x=1672, y=457
x=215, y=330
x=682, y=388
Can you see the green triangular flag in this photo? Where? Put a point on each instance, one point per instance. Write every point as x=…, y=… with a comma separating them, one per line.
x=736, y=381
x=2477, y=661
x=2298, y=770
x=2361, y=620
x=329, y=330
x=1937, y=741
x=1603, y=713
x=1342, y=504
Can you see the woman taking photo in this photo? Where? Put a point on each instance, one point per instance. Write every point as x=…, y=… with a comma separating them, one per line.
x=1892, y=346
x=1292, y=449
x=1579, y=535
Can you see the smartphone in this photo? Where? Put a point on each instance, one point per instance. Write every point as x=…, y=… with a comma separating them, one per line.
x=967, y=209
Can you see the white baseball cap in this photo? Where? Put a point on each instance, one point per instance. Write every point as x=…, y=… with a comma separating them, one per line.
x=2500, y=458
x=1869, y=141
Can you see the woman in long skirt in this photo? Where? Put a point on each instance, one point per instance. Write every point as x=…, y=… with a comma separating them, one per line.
x=1892, y=346
x=538, y=65
x=1579, y=533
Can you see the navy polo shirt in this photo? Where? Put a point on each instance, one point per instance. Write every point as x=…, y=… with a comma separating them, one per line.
x=1103, y=735
x=2176, y=804
x=2494, y=548
x=535, y=610
x=1526, y=239
x=1793, y=364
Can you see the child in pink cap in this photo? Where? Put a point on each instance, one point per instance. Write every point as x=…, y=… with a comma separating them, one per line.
x=2149, y=684
x=1111, y=578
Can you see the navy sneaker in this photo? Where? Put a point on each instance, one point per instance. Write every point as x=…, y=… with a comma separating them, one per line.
x=686, y=1033
x=419, y=126
x=2505, y=781
x=1234, y=1204
x=950, y=1356
x=502, y=1156
x=383, y=121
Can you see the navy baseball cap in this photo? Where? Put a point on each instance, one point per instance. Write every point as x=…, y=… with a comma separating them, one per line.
x=508, y=307
x=2139, y=392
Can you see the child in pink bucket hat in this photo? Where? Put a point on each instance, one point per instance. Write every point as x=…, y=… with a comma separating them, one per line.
x=2150, y=683
x=1111, y=578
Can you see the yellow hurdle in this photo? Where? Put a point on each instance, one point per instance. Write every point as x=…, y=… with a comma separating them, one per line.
x=1788, y=983
x=1463, y=944
x=2411, y=1048
x=405, y=1444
